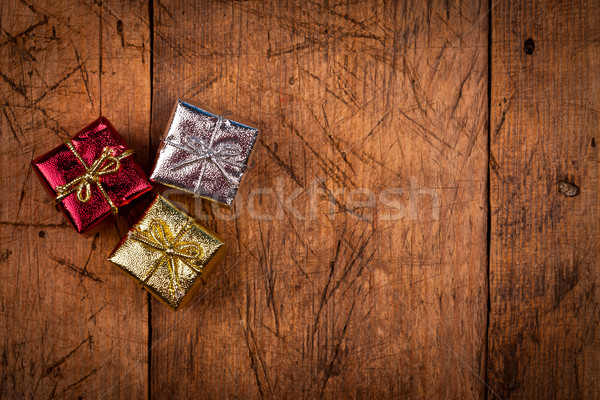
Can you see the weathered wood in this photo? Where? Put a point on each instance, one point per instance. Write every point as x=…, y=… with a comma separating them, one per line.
x=71, y=326
x=378, y=96
x=544, y=282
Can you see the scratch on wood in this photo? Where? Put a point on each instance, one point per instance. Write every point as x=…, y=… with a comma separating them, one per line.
x=13, y=38
x=165, y=9
x=61, y=360
x=10, y=125
x=297, y=47
x=266, y=260
x=84, y=378
x=415, y=86
x=334, y=143
x=330, y=370
x=93, y=316
x=23, y=191
x=428, y=132
x=14, y=86
x=287, y=168
x=84, y=273
x=502, y=116
x=373, y=128
x=251, y=353
x=341, y=206
x=84, y=76
x=335, y=171
x=462, y=85
x=57, y=84
x=327, y=89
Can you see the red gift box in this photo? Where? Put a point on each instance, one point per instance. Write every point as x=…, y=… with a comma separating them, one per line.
x=92, y=175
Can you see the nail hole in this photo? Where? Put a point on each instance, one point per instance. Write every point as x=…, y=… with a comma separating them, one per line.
x=529, y=46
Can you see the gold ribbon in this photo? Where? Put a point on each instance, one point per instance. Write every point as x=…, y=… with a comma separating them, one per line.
x=158, y=236
x=106, y=164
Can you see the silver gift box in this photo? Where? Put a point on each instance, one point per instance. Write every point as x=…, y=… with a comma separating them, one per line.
x=204, y=153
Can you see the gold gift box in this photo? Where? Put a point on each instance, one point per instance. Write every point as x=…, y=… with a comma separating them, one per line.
x=168, y=253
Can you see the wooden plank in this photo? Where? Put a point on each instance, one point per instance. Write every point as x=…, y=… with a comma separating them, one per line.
x=351, y=99
x=71, y=326
x=544, y=282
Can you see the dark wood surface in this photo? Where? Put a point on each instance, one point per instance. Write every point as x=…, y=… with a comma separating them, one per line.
x=346, y=98
x=70, y=324
x=406, y=229
x=544, y=269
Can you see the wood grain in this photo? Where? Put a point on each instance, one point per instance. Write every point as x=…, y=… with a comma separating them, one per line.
x=351, y=99
x=71, y=326
x=358, y=242
x=544, y=282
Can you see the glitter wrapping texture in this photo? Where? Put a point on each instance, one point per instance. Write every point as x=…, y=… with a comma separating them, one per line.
x=168, y=253
x=197, y=158
x=60, y=166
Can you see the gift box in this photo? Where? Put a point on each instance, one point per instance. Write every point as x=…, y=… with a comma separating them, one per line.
x=168, y=253
x=203, y=153
x=91, y=175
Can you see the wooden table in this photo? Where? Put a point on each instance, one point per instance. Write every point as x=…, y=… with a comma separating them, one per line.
x=420, y=219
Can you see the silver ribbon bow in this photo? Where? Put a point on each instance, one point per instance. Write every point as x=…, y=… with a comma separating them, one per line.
x=217, y=154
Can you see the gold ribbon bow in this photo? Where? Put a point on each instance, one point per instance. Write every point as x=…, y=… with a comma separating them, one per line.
x=106, y=164
x=159, y=237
